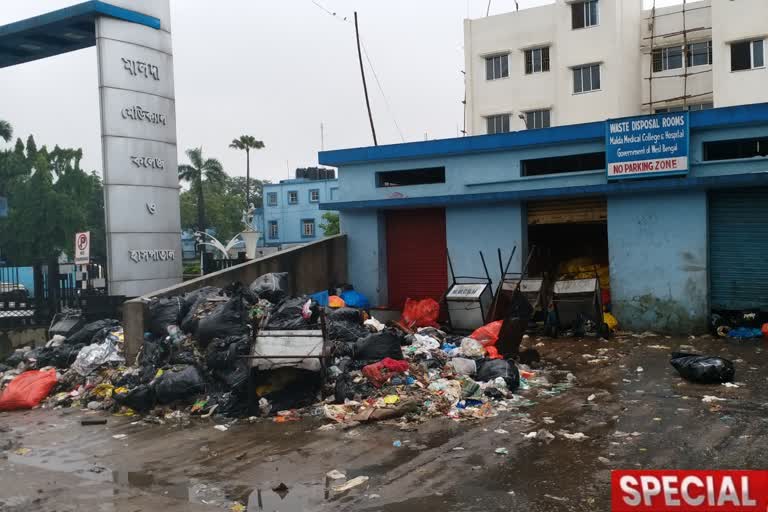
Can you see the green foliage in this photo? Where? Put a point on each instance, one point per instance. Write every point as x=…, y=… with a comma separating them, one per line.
x=246, y=143
x=192, y=269
x=330, y=226
x=198, y=172
x=50, y=198
x=6, y=131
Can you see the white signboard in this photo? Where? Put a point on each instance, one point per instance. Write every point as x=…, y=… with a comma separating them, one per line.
x=83, y=248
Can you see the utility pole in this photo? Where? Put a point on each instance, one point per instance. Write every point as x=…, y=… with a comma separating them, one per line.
x=322, y=137
x=365, y=86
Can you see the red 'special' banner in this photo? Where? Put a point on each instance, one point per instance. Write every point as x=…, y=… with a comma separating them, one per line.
x=689, y=491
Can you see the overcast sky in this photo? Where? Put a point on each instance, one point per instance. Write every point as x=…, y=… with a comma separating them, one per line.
x=274, y=69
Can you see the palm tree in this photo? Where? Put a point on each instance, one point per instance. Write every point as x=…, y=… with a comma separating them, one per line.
x=247, y=143
x=201, y=169
x=6, y=131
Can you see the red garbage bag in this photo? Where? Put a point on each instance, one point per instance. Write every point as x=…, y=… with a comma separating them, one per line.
x=421, y=313
x=492, y=352
x=380, y=373
x=764, y=330
x=488, y=334
x=27, y=390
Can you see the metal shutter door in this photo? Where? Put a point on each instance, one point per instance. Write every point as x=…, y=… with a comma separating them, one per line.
x=417, y=261
x=559, y=211
x=738, y=249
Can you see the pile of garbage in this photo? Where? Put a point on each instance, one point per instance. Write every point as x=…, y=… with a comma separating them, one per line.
x=195, y=361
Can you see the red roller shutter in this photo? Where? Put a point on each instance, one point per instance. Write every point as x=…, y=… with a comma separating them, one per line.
x=417, y=260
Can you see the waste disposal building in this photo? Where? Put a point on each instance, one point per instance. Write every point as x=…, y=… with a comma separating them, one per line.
x=670, y=209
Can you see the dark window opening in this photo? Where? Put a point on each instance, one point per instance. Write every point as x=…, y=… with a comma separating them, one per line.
x=563, y=164
x=584, y=14
x=427, y=176
x=733, y=149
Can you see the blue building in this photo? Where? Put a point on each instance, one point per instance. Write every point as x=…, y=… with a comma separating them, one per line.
x=292, y=207
x=678, y=240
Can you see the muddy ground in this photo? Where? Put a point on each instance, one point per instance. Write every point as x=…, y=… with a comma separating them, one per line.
x=642, y=415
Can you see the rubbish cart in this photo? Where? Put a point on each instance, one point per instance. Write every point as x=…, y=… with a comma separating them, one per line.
x=576, y=305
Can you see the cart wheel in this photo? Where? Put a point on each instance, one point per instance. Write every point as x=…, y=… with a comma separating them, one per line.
x=604, y=331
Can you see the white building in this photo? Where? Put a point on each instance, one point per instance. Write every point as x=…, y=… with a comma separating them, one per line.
x=578, y=61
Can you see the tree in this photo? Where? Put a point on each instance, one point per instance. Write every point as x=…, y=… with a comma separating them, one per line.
x=247, y=143
x=6, y=131
x=330, y=226
x=196, y=172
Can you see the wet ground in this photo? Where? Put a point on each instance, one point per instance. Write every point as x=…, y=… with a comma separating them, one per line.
x=633, y=407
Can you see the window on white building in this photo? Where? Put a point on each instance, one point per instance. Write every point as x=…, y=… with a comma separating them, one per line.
x=747, y=55
x=584, y=14
x=308, y=228
x=536, y=60
x=667, y=58
x=699, y=54
x=497, y=67
x=586, y=78
x=314, y=195
x=681, y=108
x=271, y=198
x=273, y=231
x=537, y=119
x=293, y=197
x=498, y=124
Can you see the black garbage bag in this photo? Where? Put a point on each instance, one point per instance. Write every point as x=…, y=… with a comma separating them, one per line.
x=14, y=359
x=272, y=287
x=165, y=312
x=245, y=292
x=155, y=353
x=85, y=335
x=229, y=404
x=198, y=302
x=288, y=315
x=376, y=347
x=235, y=377
x=347, y=315
x=179, y=385
x=60, y=357
x=186, y=357
x=4, y=368
x=224, y=353
x=490, y=369
x=141, y=398
x=345, y=324
x=347, y=389
x=703, y=369
x=228, y=319
x=147, y=372
x=130, y=380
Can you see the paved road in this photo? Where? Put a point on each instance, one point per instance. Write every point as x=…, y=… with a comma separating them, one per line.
x=642, y=415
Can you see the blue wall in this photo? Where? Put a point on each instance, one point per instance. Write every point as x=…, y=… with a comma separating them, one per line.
x=366, y=253
x=289, y=216
x=658, y=261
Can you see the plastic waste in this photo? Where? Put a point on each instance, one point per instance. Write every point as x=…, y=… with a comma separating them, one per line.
x=272, y=287
x=764, y=330
x=351, y=484
x=197, y=303
x=745, y=333
x=379, y=373
x=165, y=312
x=141, y=398
x=610, y=321
x=492, y=369
x=472, y=348
x=61, y=356
x=463, y=366
x=355, y=299
x=703, y=369
x=288, y=315
x=93, y=356
x=228, y=319
x=224, y=353
x=179, y=385
x=334, y=301
x=421, y=313
x=27, y=390
x=376, y=347
x=487, y=334
x=85, y=335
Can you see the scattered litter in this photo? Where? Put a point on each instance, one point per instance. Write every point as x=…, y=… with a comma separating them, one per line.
x=22, y=451
x=119, y=436
x=95, y=421
x=397, y=444
x=709, y=398
x=222, y=428
x=351, y=484
x=335, y=474
x=703, y=369
x=591, y=397
x=639, y=369
x=576, y=436
x=501, y=451
x=556, y=498
x=730, y=385
x=501, y=431
x=604, y=460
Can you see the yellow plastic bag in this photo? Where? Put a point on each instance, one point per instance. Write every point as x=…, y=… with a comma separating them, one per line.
x=610, y=321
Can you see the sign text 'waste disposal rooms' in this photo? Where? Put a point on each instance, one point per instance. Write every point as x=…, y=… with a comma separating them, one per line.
x=647, y=146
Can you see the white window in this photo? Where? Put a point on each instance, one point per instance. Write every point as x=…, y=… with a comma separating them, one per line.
x=536, y=60
x=293, y=197
x=586, y=78
x=273, y=231
x=699, y=54
x=314, y=195
x=498, y=124
x=308, y=228
x=537, y=119
x=271, y=198
x=584, y=14
x=497, y=67
x=747, y=55
x=667, y=58
x=680, y=108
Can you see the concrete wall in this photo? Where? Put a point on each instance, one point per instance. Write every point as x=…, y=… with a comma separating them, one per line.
x=312, y=267
x=290, y=216
x=658, y=261
x=613, y=43
x=11, y=339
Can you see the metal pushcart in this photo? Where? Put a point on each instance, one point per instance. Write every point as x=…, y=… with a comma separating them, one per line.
x=577, y=306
